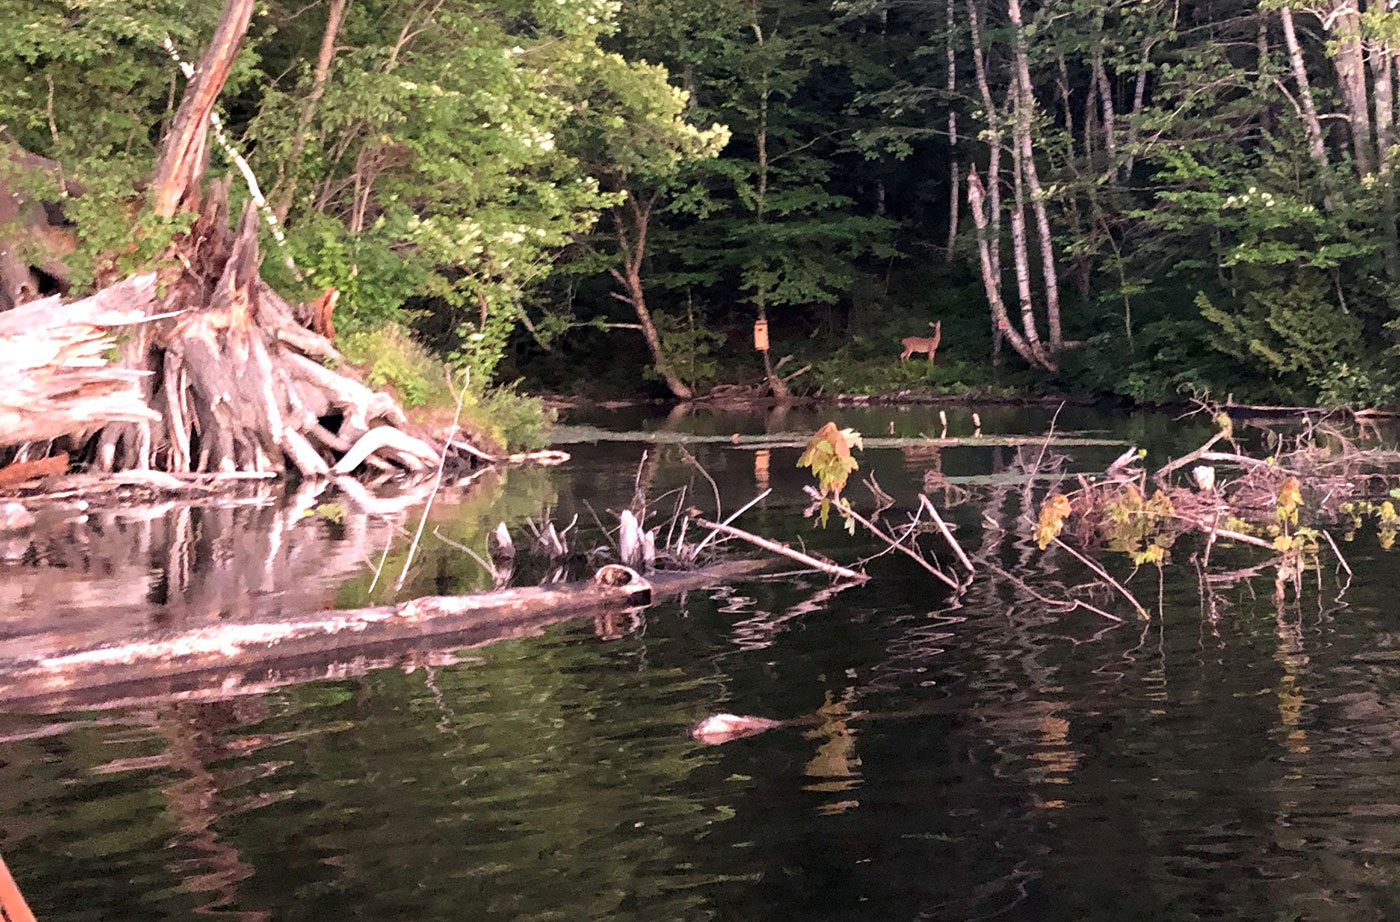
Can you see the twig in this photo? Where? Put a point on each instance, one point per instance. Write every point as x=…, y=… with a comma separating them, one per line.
x=782, y=549
x=383, y=558
x=487, y=565
x=912, y=555
x=601, y=527
x=1162, y=472
x=947, y=534
x=690, y=459
x=1103, y=574
x=639, y=499
x=437, y=482
x=1045, y=445
x=1335, y=550
x=1066, y=605
x=742, y=509
x=1244, y=539
x=675, y=514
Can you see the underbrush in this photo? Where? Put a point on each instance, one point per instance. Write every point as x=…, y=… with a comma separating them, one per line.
x=391, y=358
x=841, y=375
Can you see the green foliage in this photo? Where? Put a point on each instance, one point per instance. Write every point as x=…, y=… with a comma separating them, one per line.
x=392, y=358
x=690, y=348
x=1141, y=527
x=1347, y=385
x=1171, y=357
x=1288, y=332
x=517, y=421
x=782, y=158
x=828, y=455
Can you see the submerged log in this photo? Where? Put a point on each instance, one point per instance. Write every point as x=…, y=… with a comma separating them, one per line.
x=242, y=657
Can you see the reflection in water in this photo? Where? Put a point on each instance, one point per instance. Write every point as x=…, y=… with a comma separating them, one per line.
x=117, y=572
x=835, y=768
x=85, y=577
x=988, y=758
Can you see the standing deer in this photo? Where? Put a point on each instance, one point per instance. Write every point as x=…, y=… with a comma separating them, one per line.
x=927, y=344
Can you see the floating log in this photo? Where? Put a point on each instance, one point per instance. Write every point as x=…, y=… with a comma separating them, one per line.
x=253, y=656
x=565, y=435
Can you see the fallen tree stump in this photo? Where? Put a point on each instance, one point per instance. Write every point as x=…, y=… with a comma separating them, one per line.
x=58, y=380
x=253, y=656
x=216, y=376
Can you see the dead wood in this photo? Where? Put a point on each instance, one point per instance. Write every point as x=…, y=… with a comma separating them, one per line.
x=242, y=657
x=217, y=376
x=24, y=471
x=181, y=167
x=57, y=380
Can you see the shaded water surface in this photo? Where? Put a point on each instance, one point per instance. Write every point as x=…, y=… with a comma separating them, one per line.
x=987, y=759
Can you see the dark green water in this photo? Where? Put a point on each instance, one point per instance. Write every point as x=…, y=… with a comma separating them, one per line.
x=973, y=760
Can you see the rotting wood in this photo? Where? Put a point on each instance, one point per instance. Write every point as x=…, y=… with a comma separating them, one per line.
x=182, y=161
x=220, y=376
x=24, y=471
x=216, y=377
x=244, y=657
x=52, y=360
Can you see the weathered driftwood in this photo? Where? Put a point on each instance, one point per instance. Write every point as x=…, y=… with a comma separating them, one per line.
x=229, y=381
x=238, y=657
x=776, y=547
x=217, y=376
x=52, y=360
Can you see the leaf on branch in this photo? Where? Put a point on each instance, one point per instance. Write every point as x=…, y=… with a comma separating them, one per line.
x=1290, y=499
x=1052, y=520
x=828, y=455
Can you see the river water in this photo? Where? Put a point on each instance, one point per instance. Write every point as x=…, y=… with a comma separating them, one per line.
x=948, y=760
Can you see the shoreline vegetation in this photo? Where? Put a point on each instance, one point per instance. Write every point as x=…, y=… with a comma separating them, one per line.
x=1150, y=201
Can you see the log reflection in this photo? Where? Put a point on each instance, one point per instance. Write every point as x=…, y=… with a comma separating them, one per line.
x=79, y=578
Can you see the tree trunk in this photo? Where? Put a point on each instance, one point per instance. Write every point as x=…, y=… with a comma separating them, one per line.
x=954, y=179
x=1351, y=77
x=631, y=228
x=1312, y=126
x=181, y=166
x=1021, y=257
x=775, y=384
x=1024, y=105
x=991, y=279
x=1110, y=116
x=1382, y=74
x=1139, y=100
x=994, y=143
x=286, y=187
x=637, y=297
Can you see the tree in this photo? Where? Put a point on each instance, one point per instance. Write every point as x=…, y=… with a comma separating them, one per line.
x=633, y=134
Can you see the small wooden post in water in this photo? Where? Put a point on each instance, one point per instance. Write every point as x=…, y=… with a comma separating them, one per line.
x=13, y=908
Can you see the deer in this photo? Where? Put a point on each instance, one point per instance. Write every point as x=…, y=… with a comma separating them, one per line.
x=927, y=344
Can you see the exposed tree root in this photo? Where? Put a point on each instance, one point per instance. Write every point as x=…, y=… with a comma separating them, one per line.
x=217, y=376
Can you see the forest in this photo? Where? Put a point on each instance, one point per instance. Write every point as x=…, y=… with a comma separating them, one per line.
x=1151, y=199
